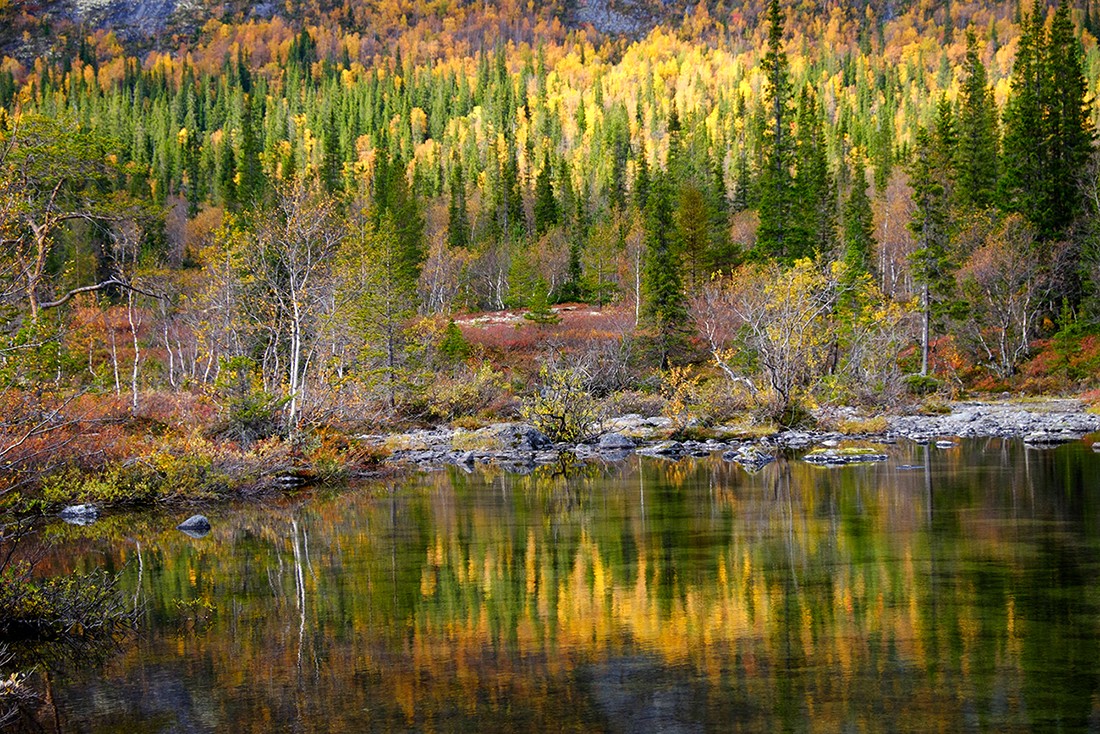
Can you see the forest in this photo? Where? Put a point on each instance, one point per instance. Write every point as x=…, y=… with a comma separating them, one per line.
x=230, y=251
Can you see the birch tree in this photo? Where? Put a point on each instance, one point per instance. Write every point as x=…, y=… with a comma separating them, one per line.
x=296, y=243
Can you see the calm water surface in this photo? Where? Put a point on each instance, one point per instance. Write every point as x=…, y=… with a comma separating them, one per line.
x=963, y=595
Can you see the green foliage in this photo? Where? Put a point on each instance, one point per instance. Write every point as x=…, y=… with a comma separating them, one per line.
x=1048, y=125
x=70, y=608
x=454, y=349
x=250, y=413
x=561, y=407
x=546, y=204
x=664, y=307
x=776, y=189
x=922, y=384
x=539, y=310
x=976, y=156
x=859, y=238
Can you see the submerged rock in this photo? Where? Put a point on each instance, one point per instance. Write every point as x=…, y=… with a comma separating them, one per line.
x=80, y=514
x=749, y=457
x=667, y=449
x=196, y=526
x=840, y=457
x=1048, y=439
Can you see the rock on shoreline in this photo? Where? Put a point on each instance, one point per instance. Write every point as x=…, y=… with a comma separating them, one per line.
x=519, y=447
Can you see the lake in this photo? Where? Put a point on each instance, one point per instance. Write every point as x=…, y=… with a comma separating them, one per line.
x=961, y=593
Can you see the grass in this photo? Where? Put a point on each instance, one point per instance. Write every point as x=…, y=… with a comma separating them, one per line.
x=855, y=426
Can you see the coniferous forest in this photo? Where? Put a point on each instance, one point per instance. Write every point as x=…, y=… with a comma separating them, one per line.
x=231, y=244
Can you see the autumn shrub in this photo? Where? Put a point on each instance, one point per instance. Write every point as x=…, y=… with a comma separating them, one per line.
x=1091, y=400
x=626, y=402
x=933, y=405
x=334, y=457
x=560, y=407
x=65, y=606
x=680, y=387
x=465, y=394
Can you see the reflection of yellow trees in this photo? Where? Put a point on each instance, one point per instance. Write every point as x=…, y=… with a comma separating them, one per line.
x=807, y=591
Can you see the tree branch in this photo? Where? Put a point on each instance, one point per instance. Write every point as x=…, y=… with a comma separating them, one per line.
x=111, y=282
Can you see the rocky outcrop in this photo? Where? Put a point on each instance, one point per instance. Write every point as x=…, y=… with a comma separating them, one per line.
x=521, y=447
x=1046, y=424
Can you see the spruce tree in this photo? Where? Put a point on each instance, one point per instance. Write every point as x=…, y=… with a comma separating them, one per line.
x=642, y=180
x=932, y=267
x=546, y=204
x=1022, y=180
x=332, y=163
x=776, y=185
x=859, y=238
x=458, y=218
x=1069, y=125
x=664, y=306
x=975, y=156
x=395, y=201
x=814, y=188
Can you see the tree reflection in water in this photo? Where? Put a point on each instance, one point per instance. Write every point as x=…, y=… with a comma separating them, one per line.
x=647, y=595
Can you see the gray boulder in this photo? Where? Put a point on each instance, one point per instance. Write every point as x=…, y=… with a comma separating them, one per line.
x=196, y=526
x=667, y=449
x=615, y=442
x=79, y=514
x=749, y=458
x=522, y=437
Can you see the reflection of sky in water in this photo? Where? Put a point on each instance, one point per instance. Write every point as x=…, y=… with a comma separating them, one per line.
x=636, y=597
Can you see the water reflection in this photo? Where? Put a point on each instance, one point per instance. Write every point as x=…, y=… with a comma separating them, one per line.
x=645, y=596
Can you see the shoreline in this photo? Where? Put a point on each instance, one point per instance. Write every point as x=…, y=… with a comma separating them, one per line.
x=846, y=436
x=520, y=447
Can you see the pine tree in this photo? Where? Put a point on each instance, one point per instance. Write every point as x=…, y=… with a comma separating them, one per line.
x=975, y=157
x=664, y=307
x=538, y=310
x=393, y=199
x=1070, y=130
x=859, y=238
x=454, y=348
x=458, y=218
x=721, y=254
x=1048, y=130
x=1021, y=186
x=776, y=186
x=932, y=267
x=332, y=163
x=815, y=191
x=546, y=204
x=642, y=181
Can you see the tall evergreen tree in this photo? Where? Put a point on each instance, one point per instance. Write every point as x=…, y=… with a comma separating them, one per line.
x=1070, y=131
x=546, y=204
x=932, y=268
x=1021, y=186
x=816, y=229
x=859, y=238
x=458, y=218
x=332, y=163
x=975, y=156
x=776, y=185
x=393, y=199
x=664, y=306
